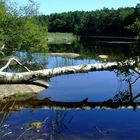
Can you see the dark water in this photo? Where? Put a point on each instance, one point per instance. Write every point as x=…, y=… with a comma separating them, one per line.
x=77, y=123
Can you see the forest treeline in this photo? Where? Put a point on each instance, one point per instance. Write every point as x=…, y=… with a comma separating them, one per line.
x=21, y=27
x=105, y=22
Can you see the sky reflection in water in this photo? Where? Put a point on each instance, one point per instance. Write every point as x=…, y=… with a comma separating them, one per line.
x=114, y=124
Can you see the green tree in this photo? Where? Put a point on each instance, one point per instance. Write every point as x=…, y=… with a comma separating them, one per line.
x=18, y=28
x=135, y=27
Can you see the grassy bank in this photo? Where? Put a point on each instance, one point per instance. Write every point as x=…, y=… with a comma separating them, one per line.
x=60, y=38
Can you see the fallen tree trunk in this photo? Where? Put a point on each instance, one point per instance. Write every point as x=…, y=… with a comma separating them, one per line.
x=30, y=76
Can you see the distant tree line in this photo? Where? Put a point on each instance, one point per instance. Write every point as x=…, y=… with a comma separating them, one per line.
x=22, y=28
x=105, y=22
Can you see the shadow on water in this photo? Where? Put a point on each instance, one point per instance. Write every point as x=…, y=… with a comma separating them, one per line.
x=88, y=106
x=93, y=48
x=48, y=119
x=124, y=98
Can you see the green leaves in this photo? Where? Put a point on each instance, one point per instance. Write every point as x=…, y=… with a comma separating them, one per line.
x=104, y=22
x=18, y=29
x=135, y=27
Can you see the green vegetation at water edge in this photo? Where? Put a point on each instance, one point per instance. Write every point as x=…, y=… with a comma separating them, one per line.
x=61, y=38
x=18, y=27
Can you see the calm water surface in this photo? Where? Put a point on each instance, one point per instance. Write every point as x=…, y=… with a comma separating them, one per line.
x=76, y=124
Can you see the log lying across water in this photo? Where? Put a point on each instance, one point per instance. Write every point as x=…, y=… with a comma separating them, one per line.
x=29, y=76
x=33, y=77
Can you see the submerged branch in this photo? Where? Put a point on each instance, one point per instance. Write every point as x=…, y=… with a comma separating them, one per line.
x=9, y=62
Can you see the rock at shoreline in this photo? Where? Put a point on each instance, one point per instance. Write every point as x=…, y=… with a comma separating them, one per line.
x=19, y=90
x=69, y=55
x=103, y=56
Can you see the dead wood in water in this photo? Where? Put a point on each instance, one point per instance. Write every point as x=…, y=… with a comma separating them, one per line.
x=30, y=76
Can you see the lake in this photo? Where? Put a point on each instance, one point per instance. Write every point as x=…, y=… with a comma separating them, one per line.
x=66, y=117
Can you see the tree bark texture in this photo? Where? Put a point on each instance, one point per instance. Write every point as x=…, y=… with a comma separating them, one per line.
x=29, y=76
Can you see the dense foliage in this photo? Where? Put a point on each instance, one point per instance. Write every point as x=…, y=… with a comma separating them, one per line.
x=100, y=22
x=23, y=28
x=18, y=28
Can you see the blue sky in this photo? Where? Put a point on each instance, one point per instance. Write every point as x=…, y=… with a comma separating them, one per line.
x=58, y=6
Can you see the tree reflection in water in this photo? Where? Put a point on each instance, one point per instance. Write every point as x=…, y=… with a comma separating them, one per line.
x=121, y=99
x=54, y=127
x=4, y=128
x=127, y=95
x=51, y=128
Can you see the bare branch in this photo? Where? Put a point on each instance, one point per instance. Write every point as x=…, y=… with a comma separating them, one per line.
x=9, y=62
x=135, y=80
x=134, y=98
x=3, y=47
